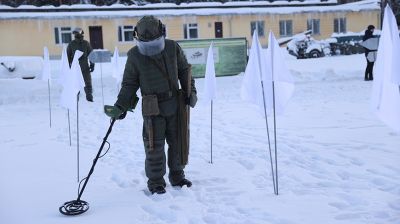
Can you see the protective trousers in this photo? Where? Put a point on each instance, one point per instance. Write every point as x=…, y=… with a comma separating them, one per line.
x=159, y=130
x=369, y=71
x=88, y=83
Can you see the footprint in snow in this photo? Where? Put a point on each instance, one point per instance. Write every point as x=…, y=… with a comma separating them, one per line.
x=165, y=215
x=347, y=216
x=246, y=164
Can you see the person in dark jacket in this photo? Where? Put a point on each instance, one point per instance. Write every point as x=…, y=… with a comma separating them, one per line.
x=157, y=66
x=82, y=45
x=370, y=63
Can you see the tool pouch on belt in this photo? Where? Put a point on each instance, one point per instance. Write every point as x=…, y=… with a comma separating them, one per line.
x=150, y=105
x=150, y=109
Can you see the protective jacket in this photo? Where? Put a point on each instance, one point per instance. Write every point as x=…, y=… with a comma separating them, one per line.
x=158, y=78
x=144, y=73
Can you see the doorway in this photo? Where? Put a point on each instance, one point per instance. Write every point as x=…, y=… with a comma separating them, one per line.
x=218, y=30
x=96, y=37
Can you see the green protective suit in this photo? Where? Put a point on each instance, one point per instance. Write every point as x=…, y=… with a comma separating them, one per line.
x=144, y=73
x=84, y=46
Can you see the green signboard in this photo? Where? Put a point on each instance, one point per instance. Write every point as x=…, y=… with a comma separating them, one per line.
x=230, y=55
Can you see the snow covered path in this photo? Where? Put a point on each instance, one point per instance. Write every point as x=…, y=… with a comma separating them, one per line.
x=337, y=162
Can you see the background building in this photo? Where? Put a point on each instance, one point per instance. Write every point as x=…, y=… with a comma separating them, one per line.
x=27, y=29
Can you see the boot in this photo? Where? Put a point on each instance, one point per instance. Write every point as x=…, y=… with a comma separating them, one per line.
x=158, y=190
x=182, y=183
x=89, y=97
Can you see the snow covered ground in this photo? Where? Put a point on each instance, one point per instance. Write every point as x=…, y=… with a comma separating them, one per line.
x=337, y=162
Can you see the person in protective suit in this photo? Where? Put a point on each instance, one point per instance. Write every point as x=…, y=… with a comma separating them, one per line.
x=82, y=45
x=370, y=64
x=156, y=65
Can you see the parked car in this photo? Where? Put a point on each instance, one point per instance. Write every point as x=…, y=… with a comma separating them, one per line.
x=304, y=46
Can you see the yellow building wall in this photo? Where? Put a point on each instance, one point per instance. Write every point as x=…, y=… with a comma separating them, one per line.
x=28, y=37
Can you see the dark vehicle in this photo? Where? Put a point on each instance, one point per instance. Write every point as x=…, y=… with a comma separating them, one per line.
x=304, y=46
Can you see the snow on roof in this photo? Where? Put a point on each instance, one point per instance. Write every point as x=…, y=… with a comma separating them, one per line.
x=172, y=5
x=186, y=9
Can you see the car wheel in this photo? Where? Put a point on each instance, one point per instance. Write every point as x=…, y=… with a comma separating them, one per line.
x=314, y=54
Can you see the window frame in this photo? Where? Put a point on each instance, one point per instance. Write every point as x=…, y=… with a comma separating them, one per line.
x=187, y=27
x=257, y=24
x=284, y=32
x=122, y=30
x=340, y=25
x=59, y=34
x=311, y=25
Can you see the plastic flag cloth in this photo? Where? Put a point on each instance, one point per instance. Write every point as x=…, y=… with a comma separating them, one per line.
x=65, y=69
x=210, y=86
x=385, y=100
x=251, y=89
x=276, y=71
x=72, y=84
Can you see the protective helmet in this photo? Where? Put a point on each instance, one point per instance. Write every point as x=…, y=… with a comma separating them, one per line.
x=149, y=28
x=371, y=27
x=77, y=30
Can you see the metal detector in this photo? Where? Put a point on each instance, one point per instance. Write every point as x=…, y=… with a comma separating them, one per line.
x=78, y=206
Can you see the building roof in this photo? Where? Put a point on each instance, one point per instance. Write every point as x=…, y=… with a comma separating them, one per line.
x=184, y=9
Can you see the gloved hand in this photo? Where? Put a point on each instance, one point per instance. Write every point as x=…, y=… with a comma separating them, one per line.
x=192, y=100
x=91, y=68
x=115, y=112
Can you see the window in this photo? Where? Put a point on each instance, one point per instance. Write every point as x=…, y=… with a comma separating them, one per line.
x=190, y=31
x=125, y=33
x=259, y=25
x=313, y=25
x=285, y=28
x=339, y=25
x=63, y=35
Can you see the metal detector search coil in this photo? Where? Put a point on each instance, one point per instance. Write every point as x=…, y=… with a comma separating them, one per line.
x=74, y=207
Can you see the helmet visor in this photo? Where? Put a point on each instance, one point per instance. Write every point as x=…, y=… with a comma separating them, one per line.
x=150, y=48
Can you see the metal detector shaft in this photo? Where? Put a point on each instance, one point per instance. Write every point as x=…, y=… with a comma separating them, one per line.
x=97, y=157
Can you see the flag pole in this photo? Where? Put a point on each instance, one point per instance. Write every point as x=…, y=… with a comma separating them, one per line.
x=276, y=150
x=48, y=87
x=101, y=77
x=77, y=133
x=69, y=128
x=269, y=141
x=274, y=108
x=211, y=131
x=265, y=114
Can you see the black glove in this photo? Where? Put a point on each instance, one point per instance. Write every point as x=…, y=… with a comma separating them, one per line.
x=91, y=68
x=115, y=112
x=192, y=100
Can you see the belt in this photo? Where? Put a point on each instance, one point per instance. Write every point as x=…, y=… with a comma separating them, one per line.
x=165, y=95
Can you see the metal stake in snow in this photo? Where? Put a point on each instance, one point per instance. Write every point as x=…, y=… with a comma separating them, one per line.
x=211, y=132
x=100, y=56
x=69, y=128
x=282, y=88
x=77, y=134
x=265, y=110
x=48, y=87
x=102, y=85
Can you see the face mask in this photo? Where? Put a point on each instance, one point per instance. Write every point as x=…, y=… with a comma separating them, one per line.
x=150, y=48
